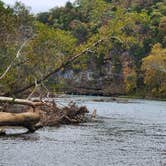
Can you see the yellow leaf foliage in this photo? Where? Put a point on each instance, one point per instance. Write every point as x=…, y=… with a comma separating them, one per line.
x=154, y=67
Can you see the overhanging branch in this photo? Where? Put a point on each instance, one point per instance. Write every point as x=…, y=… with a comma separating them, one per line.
x=63, y=65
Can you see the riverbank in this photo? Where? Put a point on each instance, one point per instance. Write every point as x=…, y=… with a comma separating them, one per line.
x=113, y=96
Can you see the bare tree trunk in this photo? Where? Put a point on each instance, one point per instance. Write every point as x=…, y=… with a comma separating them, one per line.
x=27, y=120
x=20, y=101
x=14, y=60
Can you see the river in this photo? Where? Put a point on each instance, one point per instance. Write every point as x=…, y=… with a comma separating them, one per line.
x=125, y=134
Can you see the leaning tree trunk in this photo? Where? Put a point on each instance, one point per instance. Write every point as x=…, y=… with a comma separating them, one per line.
x=63, y=65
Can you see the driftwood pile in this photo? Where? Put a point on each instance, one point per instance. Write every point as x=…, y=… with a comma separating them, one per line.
x=52, y=115
x=36, y=114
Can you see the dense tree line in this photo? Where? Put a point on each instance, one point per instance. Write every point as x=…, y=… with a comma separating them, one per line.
x=121, y=43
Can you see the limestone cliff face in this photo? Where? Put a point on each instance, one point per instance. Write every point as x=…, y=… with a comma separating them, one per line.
x=104, y=77
x=94, y=81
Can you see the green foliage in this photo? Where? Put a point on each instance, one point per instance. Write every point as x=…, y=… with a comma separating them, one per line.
x=154, y=67
x=49, y=48
x=129, y=30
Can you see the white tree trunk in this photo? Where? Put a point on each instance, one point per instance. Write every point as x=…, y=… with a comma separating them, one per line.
x=20, y=101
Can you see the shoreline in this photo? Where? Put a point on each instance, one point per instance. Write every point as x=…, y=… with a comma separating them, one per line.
x=114, y=96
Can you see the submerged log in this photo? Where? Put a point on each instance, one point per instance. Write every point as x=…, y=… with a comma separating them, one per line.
x=27, y=120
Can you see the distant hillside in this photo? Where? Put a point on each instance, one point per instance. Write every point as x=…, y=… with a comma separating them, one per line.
x=129, y=57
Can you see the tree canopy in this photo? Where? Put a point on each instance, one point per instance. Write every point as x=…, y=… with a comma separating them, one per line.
x=115, y=46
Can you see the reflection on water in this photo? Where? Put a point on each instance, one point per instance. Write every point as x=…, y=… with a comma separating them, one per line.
x=125, y=134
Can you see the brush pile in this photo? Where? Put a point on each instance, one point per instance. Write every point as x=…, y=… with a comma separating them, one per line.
x=52, y=115
x=49, y=113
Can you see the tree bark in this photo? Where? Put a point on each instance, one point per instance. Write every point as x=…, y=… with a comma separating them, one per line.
x=27, y=120
x=20, y=101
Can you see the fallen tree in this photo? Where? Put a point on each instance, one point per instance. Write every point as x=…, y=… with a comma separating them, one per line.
x=10, y=100
x=38, y=114
x=28, y=120
x=48, y=112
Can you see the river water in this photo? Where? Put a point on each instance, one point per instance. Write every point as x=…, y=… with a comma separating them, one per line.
x=125, y=134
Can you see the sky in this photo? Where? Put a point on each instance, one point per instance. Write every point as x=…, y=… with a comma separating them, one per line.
x=39, y=5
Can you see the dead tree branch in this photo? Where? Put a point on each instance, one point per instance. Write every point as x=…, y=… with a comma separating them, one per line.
x=13, y=61
x=20, y=101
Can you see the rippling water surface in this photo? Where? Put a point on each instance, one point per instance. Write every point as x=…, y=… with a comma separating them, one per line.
x=125, y=134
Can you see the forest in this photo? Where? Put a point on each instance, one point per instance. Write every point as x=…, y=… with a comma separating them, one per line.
x=97, y=47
